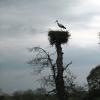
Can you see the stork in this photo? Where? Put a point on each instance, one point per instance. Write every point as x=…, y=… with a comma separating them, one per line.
x=60, y=25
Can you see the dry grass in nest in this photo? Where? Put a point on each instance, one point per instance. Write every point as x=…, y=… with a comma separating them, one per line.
x=58, y=37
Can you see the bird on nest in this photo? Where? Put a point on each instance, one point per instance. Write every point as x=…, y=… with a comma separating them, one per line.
x=60, y=25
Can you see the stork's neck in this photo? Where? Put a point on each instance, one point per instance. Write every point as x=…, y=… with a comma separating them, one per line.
x=57, y=22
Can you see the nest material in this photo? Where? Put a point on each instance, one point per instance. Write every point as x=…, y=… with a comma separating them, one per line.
x=58, y=37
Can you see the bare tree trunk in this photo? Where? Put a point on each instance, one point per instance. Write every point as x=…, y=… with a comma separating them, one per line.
x=59, y=79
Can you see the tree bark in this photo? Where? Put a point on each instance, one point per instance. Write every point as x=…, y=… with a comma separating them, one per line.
x=60, y=87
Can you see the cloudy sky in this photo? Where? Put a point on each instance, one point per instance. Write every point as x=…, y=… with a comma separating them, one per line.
x=25, y=23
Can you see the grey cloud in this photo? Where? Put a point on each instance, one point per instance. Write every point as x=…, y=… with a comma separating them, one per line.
x=82, y=56
x=15, y=30
x=19, y=79
x=32, y=12
x=20, y=18
x=26, y=17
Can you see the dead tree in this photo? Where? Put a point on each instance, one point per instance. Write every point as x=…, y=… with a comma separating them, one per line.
x=43, y=58
x=57, y=38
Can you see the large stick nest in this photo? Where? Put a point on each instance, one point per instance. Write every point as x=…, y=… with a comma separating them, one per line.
x=58, y=37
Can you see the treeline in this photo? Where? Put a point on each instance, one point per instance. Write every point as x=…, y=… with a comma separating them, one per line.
x=40, y=94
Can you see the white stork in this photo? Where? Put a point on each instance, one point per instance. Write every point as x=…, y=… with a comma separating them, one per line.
x=60, y=25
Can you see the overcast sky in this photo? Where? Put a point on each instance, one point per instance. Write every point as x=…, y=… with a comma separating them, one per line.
x=25, y=23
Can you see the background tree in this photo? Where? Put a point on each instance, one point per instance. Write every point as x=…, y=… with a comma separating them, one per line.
x=94, y=82
x=94, y=78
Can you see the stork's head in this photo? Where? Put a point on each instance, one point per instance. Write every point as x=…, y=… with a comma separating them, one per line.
x=56, y=21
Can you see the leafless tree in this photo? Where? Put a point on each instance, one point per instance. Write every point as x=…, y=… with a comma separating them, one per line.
x=43, y=59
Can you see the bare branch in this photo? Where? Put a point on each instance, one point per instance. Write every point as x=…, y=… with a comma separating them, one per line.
x=43, y=59
x=68, y=65
x=52, y=91
x=52, y=53
x=47, y=81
